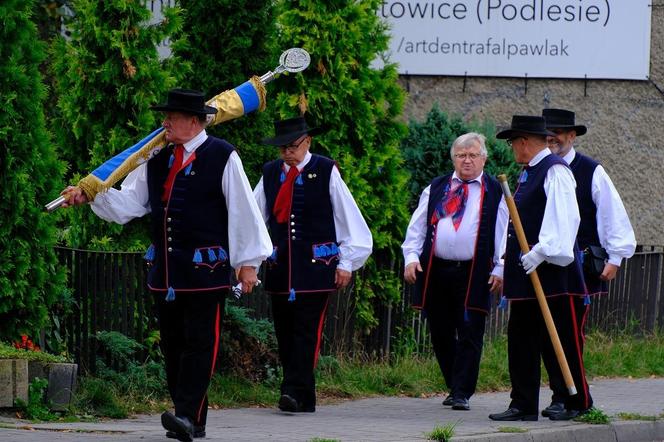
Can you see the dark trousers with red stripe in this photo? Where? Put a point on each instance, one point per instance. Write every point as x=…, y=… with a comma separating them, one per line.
x=299, y=327
x=190, y=331
x=528, y=341
x=556, y=381
x=457, y=335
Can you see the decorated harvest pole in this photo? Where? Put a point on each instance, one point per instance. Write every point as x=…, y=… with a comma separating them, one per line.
x=230, y=104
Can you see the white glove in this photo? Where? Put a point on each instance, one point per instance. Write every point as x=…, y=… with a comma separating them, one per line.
x=531, y=260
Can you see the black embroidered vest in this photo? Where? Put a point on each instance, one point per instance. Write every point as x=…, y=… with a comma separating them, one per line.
x=190, y=230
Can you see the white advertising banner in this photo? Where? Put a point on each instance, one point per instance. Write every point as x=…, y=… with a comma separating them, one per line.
x=600, y=39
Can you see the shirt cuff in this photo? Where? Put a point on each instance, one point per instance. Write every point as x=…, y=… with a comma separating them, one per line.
x=498, y=271
x=615, y=260
x=411, y=258
x=345, y=264
x=255, y=264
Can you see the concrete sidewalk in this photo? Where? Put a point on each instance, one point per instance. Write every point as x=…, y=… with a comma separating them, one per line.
x=385, y=419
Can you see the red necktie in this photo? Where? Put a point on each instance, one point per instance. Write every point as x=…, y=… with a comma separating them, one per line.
x=282, y=205
x=175, y=168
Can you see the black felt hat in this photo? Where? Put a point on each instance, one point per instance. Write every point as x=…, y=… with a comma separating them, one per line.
x=187, y=101
x=287, y=131
x=525, y=124
x=562, y=119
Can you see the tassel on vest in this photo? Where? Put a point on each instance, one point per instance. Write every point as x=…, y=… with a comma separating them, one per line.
x=170, y=296
x=149, y=254
x=291, y=297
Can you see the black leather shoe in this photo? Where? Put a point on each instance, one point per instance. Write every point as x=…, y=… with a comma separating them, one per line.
x=199, y=432
x=513, y=414
x=554, y=408
x=288, y=403
x=566, y=415
x=460, y=404
x=180, y=426
x=449, y=400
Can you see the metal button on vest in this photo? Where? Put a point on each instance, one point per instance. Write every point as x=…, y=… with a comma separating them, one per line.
x=292, y=223
x=168, y=220
x=170, y=249
x=293, y=237
x=293, y=231
x=313, y=260
x=169, y=229
x=170, y=239
x=292, y=215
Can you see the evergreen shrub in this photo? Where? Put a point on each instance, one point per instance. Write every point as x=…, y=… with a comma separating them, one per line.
x=360, y=105
x=426, y=150
x=228, y=41
x=30, y=174
x=108, y=74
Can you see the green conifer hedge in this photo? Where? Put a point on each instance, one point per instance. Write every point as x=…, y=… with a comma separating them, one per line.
x=108, y=74
x=360, y=106
x=30, y=175
x=229, y=41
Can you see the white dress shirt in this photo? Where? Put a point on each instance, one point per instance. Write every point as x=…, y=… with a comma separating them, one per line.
x=560, y=223
x=248, y=240
x=353, y=234
x=450, y=243
x=613, y=227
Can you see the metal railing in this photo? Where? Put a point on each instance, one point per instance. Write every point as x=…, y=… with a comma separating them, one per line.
x=110, y=294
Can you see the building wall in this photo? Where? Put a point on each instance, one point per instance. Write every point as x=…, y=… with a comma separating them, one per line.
x=625, y=121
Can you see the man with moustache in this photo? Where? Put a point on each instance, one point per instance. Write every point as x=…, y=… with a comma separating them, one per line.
x=604, y=223
x=546, y=201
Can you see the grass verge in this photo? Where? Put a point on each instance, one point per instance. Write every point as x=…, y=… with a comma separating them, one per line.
x=618, y=355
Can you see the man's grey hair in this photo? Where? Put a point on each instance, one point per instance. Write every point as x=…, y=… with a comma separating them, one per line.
x=467, y=140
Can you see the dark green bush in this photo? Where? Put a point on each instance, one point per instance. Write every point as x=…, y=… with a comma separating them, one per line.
x=426, y=150
x=360, y=106
x=30, y=278
x=108, y=74
x=228, y=42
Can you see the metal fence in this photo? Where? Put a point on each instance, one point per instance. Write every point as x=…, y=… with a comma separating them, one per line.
x=110, y=293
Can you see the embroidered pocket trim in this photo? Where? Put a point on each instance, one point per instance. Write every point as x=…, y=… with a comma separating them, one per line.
x=325, y=252
x=211, y=256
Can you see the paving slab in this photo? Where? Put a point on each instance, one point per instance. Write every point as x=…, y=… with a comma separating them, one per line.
x=384, y=419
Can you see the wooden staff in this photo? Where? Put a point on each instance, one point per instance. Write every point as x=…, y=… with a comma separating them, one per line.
x=537, y=285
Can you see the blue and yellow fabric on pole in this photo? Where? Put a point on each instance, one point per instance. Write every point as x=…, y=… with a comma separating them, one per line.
x=230, y=104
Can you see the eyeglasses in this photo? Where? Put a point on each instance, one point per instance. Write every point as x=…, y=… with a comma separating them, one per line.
x=463, y=156
x=293, y=146
x=511, y=140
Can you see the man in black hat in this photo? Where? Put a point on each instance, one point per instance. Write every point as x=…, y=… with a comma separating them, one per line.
x=452, y=255
x=205, y=222
x=546, y=201
x=604, y=225
x=319, y=238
